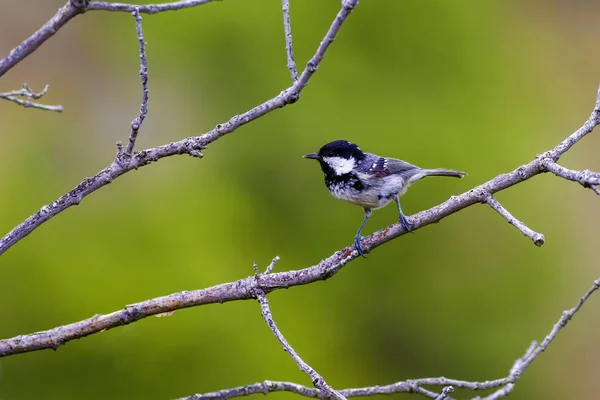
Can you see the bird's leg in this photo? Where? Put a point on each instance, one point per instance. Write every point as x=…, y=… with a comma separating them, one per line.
x=357, y=238
x=403, y=220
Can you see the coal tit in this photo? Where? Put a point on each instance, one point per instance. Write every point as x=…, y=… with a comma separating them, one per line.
x=369, y=180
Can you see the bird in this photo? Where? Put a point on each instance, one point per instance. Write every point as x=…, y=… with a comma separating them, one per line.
x=369, y=180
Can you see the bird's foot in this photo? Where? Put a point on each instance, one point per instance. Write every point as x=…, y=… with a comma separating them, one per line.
x=404, y=223
x=358, y=247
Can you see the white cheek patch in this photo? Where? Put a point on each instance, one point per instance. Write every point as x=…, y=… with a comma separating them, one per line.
x=339, y=164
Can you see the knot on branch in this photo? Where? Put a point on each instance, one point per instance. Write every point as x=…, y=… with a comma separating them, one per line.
x=80, y=5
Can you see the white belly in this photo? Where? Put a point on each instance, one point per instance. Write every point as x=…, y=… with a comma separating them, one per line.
x=376, y=195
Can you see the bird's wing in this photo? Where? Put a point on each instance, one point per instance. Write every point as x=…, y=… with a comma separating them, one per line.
x=389, y=166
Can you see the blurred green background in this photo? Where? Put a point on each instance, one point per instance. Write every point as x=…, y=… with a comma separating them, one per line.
x=481, y=86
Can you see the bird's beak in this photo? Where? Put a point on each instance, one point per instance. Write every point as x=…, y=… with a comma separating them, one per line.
x=314, y=156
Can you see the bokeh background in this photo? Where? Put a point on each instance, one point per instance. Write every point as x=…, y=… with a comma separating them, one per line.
x=481, y=86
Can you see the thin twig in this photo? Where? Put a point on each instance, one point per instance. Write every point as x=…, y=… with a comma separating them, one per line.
x=538, y=238
x=272, y=265
x=137, y=122
x=287, y=27
x=314, y=376
x=562, y=322
x=190, y=145
x=25, y=91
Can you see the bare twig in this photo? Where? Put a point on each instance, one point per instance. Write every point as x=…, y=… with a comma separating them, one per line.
x=287, y=27
x=73, y=8
x=25, y=91
x=272, y=265
x=191, y=145
x=538, y=238
x=314, y=376
x=137, y=122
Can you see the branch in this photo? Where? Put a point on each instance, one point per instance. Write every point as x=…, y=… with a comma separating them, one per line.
x=137, y=122
x=505, y=385
x=243, y=289
x=71, y=10
x=26, y=91
x=538, y=238
x=190, y=145
x=291, y=63
x=586, y=178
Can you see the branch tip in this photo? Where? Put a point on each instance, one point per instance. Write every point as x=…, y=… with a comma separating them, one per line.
x=537, y=238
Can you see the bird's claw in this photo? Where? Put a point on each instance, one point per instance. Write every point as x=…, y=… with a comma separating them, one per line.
x=358, y=247
x=404, y=223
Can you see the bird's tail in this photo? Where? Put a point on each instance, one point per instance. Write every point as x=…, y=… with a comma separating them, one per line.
x=444, y=172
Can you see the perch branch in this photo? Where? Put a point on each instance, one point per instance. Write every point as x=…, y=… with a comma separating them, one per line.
x=505, y=385
x=538, y=238
x=137, y=122
x=190, y=145
x=25, y=91
x=287, y=27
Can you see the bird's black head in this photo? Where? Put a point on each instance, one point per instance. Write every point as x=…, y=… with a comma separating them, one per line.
x=338, y=158
x=339, y=148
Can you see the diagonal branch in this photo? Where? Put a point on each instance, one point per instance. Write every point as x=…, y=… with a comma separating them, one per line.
x=314, y=376
x=317, y=380
x=538, y=238
x=191, y=145
x=70, y=10
x=243, y=289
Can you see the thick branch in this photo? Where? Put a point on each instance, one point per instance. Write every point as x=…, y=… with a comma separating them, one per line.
x=191, y=145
